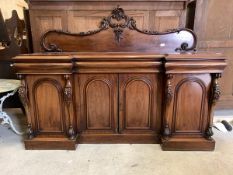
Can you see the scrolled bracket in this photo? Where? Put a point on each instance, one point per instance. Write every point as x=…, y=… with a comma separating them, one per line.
x=168, y=98
x=214, y=97
x=68, y=90
x=216, y=92
x=68, y=102
x=23, y=95
x=23, y=92
x=169, y=91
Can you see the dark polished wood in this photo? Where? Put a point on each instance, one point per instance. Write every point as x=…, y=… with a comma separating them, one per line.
x=120, y=97
x=143, y=98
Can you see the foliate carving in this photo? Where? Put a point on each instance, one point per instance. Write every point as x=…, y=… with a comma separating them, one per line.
x=68, y=101
x=209, y=132
x=118, y=21
x=23, y=94
x=30, y=133
x=216, y=89
x=215, y=95
x=169, y=91
x=118, y=34
x=68, y=90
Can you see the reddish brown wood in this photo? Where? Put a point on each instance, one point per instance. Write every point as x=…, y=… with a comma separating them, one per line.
x=50, y=144
x=139, y=104
x=147, y=138
x=80, y=16
x=96, y=101
x=191, y=144
x=116, y=32
x=121, y=98
x=138, y=96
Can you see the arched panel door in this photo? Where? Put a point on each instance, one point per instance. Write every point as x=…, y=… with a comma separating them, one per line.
x=189, y=106
x=48, y=106
x=98, y=103
x=139, y=104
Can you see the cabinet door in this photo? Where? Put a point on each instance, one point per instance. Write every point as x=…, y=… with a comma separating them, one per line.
x=188, y=113
x=97, y=102
x=139, y=103
x=48, y=115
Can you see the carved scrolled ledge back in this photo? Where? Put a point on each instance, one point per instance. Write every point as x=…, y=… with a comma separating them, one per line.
x=68, y=102
x=122, y=21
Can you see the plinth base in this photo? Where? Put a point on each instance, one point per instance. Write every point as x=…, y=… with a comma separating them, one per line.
x=187, y=144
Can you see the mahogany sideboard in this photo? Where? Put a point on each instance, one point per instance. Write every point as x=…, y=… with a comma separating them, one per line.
x=121, y=85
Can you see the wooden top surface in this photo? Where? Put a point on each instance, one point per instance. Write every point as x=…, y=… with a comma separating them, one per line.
x=66, y=56
x=108, y=0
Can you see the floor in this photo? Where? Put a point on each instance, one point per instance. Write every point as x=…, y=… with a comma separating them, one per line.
x=109, y=159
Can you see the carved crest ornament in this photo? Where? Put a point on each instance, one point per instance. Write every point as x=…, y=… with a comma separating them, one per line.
x=118, y=21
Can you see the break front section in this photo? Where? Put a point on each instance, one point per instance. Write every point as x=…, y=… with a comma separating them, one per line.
x=191, y=91
x=120, y=105
x=145, y=98
x=47, y=94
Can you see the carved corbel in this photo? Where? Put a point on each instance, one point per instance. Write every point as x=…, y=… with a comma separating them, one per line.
x=23, y=95
x=215, y=96
x=168, y=98
x=169, y=91
x=216, y=92
x=68, y=102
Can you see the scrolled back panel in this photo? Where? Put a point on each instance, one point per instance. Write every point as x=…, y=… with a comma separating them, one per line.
x=119, y=33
